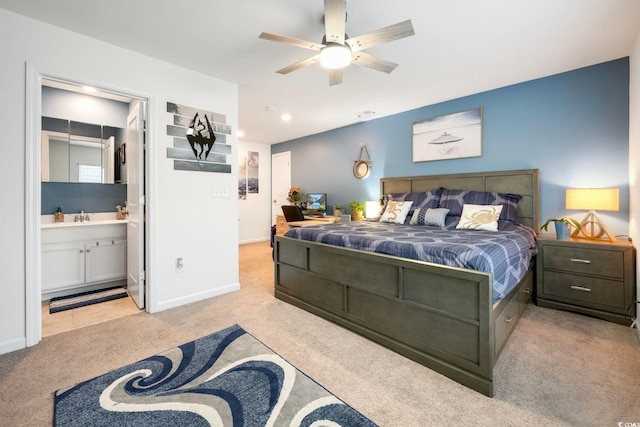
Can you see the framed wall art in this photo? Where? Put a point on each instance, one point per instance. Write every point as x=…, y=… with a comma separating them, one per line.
x=452, y=136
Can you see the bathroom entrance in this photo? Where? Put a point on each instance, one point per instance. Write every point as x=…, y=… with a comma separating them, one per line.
x=104, y=192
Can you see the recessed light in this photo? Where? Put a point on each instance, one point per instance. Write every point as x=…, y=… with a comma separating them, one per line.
x=240, y=133
x=286, y=117
x=89, y=89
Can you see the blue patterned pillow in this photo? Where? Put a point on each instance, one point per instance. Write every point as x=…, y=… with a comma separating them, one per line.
x=429, y=216
x=423, y=199
x=454, y=200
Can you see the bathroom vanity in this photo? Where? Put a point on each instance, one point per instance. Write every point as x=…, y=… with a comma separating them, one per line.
x=82, y=256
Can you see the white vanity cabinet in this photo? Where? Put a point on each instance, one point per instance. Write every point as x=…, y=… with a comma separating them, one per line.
x=84, y=257
x=105, y=260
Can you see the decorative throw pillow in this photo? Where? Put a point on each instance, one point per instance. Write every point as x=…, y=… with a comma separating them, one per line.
x=396, y=212
x=480, y=217
x=455, y=199
x=429, y=216
x=423, y=199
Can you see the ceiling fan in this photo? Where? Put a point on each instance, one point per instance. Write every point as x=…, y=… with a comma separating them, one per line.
x=336, y=50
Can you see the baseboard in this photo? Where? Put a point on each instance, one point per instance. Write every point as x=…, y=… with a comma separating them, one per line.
x=177, y=302
x=13, y=345
x=261, y=239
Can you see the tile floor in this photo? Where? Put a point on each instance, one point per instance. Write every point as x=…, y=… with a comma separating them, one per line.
x=83, y=316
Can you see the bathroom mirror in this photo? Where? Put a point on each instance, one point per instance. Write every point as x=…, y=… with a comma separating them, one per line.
x=80, y=152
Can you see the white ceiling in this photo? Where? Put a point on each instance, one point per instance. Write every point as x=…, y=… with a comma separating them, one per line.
x=461, y=47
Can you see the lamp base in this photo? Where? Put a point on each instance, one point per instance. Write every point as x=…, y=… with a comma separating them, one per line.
x=594, y=229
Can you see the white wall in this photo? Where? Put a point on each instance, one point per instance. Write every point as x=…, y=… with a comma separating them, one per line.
x=185, y=220
x=255, y=211
x=634, y=159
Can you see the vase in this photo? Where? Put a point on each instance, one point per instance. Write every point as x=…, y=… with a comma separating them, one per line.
x=357, y=215
x=563, y=231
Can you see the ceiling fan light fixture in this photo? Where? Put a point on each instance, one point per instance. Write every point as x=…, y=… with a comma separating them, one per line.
x=335, y=56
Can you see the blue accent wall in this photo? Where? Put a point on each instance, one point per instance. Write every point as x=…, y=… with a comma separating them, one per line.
x=573, y=126
x=74, y=197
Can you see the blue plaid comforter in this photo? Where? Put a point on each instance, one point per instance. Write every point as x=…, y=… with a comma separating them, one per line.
x=506, y=253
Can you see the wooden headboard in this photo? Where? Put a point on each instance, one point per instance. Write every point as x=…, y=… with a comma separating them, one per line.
x=522, y=182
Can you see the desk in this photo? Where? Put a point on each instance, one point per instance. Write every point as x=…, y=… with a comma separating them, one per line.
x=282, y=226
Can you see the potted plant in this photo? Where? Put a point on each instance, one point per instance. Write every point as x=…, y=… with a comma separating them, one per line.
x=562, y=227
x=357, y=210
x=337, y=210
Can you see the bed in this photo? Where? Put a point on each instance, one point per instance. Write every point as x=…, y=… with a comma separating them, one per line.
x=444, y=317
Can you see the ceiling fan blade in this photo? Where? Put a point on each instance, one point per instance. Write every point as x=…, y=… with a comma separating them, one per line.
x=300, y=64
x=335, y=76
x=335, y=16
x=382, y=35
x=288, y=40
x=374, y=62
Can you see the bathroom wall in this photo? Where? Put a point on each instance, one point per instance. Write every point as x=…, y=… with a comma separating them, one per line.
x=76, y=196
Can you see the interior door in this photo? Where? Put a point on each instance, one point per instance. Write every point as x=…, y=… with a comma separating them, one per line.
x=135, y=204
x=280, y=182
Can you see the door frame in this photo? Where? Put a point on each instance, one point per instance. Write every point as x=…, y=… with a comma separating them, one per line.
x=287, y=155
x=33, y=155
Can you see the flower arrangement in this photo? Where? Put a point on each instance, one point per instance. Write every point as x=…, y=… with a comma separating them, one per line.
x=295, y=195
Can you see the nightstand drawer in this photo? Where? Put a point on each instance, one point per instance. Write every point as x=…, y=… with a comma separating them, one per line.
x=586, y=261
x=592, y=290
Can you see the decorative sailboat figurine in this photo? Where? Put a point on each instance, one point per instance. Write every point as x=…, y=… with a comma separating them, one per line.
x=445, y=138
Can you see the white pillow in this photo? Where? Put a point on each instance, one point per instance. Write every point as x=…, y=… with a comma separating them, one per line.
x=429, y=216
x=396, y=212
x=480, y=217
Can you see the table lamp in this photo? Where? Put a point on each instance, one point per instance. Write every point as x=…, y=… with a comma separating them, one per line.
x=372, y=209
x=592, y=199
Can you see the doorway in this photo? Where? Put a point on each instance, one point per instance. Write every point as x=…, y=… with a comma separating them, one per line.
x=280, y=182
x=33, y=272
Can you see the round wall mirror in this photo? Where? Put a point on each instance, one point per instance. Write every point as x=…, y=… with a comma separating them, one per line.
x=361, y=169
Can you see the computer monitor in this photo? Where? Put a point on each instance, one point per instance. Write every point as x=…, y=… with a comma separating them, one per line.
x=317, y=201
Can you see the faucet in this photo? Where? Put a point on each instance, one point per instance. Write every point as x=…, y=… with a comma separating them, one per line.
x=82, y=217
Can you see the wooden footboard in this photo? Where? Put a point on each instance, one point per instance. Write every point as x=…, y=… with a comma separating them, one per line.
x=439, y=316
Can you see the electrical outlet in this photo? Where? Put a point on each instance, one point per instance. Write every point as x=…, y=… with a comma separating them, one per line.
x=179, y=265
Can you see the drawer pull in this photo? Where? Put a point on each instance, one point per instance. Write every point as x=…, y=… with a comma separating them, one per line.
x=580, y=288
x=509, y=319
x=580, y=261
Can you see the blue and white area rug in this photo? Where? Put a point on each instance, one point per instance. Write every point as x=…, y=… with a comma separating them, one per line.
x=228, y=378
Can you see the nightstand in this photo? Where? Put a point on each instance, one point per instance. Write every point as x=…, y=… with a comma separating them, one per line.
x=587, y=276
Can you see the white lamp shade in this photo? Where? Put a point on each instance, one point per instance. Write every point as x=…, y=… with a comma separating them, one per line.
x=372, y=209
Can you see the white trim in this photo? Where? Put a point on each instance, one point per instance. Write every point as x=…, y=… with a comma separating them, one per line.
x=200, y=296
x=33, y=283
x=261, y=239
x=33, y=123
x=151, y=254
x=12, y=345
